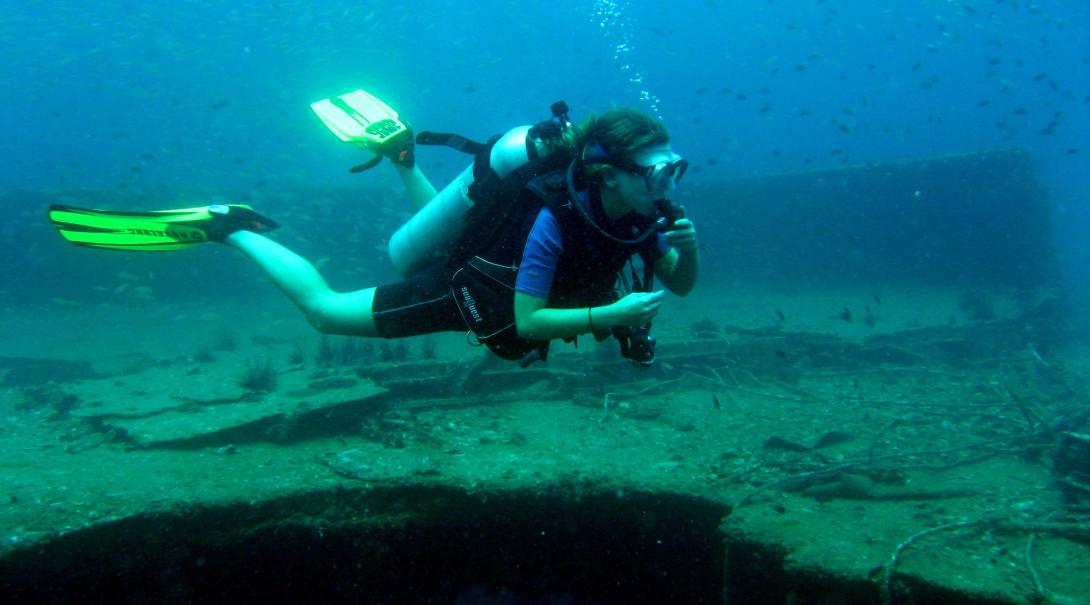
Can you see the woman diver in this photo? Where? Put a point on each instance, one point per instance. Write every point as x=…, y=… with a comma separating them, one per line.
x=561, y=210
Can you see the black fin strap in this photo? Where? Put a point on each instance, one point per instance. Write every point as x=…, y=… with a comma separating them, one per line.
x=447, y=139
x=369, y=164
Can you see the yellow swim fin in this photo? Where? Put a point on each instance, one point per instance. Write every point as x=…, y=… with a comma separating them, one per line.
x=156, y=230
x=362, y=119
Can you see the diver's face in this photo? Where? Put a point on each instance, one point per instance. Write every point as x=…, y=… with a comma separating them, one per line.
x=655, y=174
x=634, y=194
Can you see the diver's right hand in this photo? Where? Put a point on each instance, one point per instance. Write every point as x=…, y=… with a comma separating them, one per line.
x=401, y=149
x=635, y=309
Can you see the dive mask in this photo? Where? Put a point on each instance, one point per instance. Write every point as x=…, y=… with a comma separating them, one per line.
x=662, y=175
x=660, y=168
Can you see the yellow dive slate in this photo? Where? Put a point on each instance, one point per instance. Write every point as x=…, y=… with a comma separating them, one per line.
x=154, y=230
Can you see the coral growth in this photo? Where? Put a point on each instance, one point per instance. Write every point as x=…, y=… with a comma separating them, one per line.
x=259, y=375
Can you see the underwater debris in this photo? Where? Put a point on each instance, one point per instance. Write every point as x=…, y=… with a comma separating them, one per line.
x=48, y=395
x=1072, y=467
x=704, y=328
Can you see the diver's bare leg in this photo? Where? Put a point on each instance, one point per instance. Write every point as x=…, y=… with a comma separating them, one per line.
x=330, y=312
x=417, y=186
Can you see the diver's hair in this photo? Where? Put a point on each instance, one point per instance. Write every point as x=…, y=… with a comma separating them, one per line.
x=621, y=133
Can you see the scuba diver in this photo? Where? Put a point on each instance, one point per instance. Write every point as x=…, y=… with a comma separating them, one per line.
x=527, y=245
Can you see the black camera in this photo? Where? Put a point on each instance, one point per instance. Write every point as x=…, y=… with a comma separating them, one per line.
x=637, y=344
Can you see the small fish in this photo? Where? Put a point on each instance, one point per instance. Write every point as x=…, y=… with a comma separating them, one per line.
x=780, y=315
x=218, y=105
x=877, y=299
x=715, y=402
x=832, y=438
x=846, y=315
x=779, y=443
x=1037, y=355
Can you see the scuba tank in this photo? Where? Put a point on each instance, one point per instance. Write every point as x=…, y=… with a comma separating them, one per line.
x=433, y=230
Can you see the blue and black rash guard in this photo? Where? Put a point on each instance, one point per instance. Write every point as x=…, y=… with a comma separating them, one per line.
x=545, y=246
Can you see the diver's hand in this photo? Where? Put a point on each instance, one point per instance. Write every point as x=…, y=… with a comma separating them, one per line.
x=635, y=309
x=401, y=149
x=682, y=235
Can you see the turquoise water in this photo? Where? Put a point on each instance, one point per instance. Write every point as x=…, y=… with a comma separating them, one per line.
x=860, y=170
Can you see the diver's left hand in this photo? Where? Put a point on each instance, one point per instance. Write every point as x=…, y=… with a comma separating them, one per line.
x=682, y=236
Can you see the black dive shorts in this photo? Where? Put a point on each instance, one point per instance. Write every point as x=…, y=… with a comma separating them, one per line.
x=419, y=305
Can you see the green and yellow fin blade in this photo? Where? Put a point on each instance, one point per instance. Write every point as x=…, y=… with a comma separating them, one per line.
x=359, y=117
x=146, y=231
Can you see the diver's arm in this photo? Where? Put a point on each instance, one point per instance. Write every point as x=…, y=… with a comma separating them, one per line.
x=417, y=186
x=535, y=321
x=678, y=268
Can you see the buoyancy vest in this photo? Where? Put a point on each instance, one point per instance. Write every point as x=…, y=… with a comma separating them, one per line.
x=483, y=282
x=587, y=270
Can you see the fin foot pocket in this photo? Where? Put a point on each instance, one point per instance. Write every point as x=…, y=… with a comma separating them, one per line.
x=227, y=219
